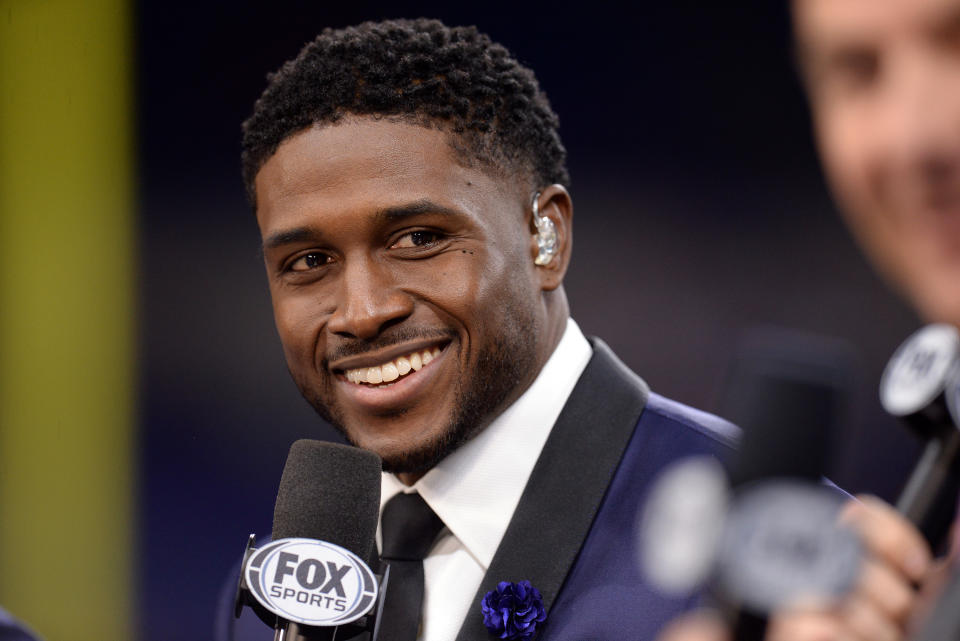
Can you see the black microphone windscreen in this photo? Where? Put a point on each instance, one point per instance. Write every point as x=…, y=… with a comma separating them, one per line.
x=787, y=391
x=329, y=492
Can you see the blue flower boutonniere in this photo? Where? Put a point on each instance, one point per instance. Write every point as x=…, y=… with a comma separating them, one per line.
x=513, y=611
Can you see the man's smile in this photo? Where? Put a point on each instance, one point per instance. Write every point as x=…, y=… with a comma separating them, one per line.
x=388, y=383
x=391, y=370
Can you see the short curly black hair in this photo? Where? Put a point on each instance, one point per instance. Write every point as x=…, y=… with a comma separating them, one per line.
x=421, y=71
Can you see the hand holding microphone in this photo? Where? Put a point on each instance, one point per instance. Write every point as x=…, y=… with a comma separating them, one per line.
x=778, y=541
x=922, y=386
x=786, y=400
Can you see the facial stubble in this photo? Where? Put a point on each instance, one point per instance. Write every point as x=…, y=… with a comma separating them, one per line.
x=504, y=365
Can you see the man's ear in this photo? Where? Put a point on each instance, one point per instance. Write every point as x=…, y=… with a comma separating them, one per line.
x=554, y=204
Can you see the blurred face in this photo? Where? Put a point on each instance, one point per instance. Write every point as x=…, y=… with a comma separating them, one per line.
x=884, y=83
x=403, y=286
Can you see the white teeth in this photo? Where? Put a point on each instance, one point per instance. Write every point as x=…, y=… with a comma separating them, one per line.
x=392, y=370
x=389, y=372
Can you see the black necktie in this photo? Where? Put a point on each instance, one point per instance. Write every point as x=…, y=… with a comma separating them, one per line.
x=409, y=529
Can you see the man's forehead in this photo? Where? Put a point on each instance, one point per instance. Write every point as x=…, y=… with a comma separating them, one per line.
x=368, y=166
x=356, y=142
x=826, y=23
x=338, y=156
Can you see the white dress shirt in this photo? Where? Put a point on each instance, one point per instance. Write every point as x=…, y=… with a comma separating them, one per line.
x=475, y=489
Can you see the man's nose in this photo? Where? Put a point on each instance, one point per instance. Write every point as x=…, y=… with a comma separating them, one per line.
x=369, y=301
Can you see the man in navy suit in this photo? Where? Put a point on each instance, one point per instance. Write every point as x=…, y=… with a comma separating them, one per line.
x=409, y=184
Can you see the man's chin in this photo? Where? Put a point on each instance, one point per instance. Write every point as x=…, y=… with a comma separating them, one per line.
x=400, y=456
x=940, y=306
x=418, y=459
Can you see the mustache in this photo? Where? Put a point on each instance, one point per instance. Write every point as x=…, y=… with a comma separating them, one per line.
x=357, y=347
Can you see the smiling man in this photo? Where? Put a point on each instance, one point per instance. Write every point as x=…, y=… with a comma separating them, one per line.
x=405, y=294
x=409, y=185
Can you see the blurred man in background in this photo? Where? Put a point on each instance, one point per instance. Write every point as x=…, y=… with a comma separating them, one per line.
x=883, y=82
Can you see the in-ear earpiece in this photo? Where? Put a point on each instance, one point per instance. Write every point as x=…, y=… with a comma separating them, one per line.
x=546, y=235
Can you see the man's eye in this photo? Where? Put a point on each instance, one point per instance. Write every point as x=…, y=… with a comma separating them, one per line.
x=855, y=69
x=416, y=239
x=309, y=261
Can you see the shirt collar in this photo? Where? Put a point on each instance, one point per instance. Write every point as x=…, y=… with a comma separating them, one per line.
x=475, y=490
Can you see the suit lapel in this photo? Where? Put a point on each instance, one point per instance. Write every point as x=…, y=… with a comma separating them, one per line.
x=567, y=484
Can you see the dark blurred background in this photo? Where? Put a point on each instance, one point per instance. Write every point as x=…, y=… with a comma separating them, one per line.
x=700, y=213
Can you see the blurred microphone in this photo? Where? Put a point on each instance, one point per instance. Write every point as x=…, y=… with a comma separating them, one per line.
x=779, y=542
x=312, y=582
x=782, y=544
x=788, y=391
x=919, y=386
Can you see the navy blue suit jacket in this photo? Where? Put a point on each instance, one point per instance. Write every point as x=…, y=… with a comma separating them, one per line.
x=13, y=630
x=574, y=533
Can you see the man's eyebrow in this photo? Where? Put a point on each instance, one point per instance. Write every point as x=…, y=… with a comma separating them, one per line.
x=415, y=208
x=288, y=236
x=386, y=215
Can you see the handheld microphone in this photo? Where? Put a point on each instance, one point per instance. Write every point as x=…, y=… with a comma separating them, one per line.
x=788, y=390
x=312, y=582
x=919, y=386
x=779, y=542
x=782, y=543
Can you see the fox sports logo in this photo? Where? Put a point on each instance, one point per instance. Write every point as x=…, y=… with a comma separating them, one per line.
x=311, y=582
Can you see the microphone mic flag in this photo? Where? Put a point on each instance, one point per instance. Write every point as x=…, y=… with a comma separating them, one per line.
x=312, y=581
x=919, y=386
